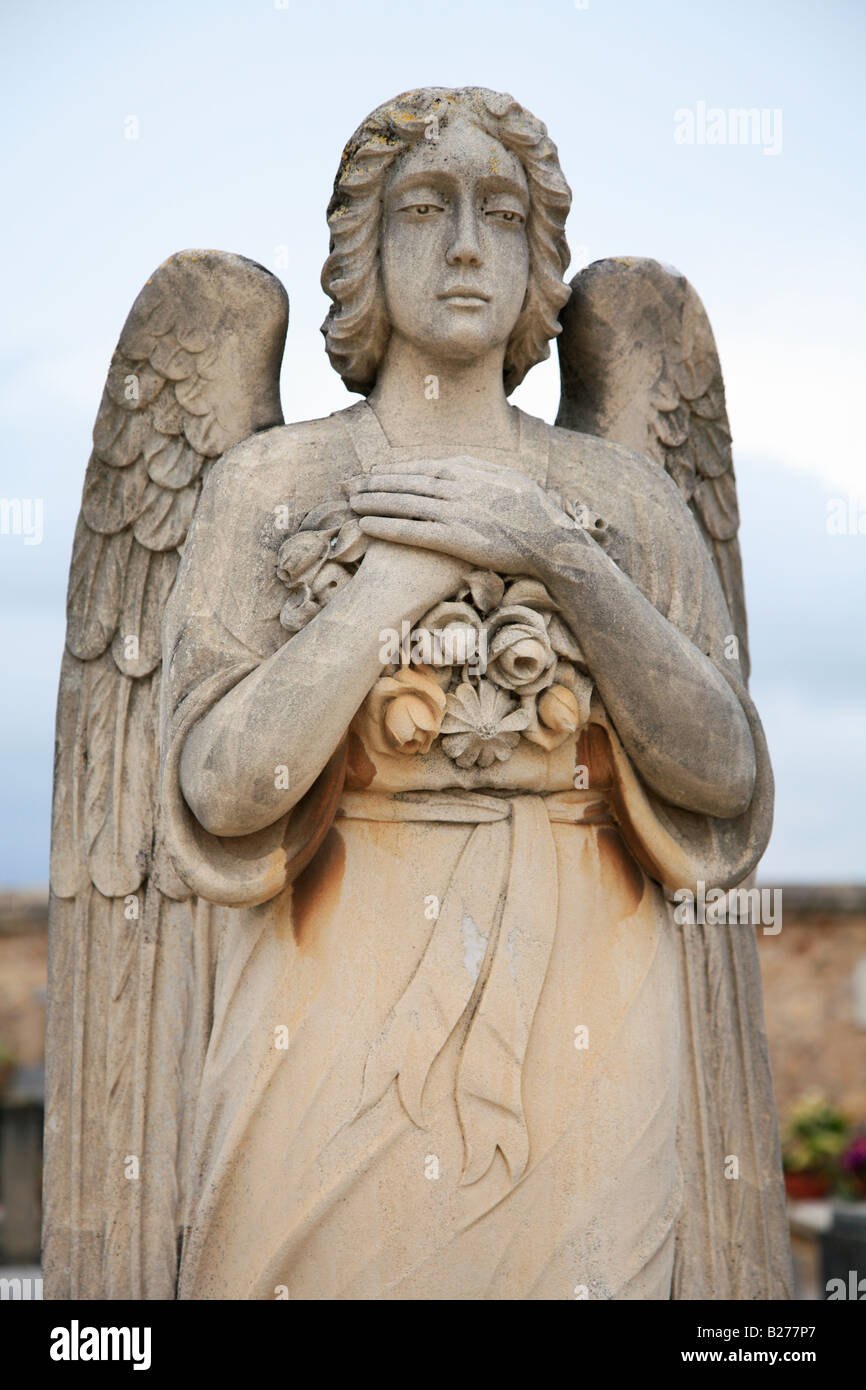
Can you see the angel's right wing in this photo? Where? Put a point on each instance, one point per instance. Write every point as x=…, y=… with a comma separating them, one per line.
x=196, y=370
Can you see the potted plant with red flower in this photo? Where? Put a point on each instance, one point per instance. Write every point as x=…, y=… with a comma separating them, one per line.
x=815, y=1137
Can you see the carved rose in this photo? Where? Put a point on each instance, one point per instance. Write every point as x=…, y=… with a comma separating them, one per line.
x=405, y=710
x=558, y=710
x=557, y=713
x=520, y=656
x=531, y=593
x=586, y=518
x=485, y=588
x=511, y=626
x=317, y=561
x=451, y=632
x=482, y=725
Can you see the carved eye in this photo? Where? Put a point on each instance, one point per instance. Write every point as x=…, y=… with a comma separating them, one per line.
x=505, y=214
x=421, y=209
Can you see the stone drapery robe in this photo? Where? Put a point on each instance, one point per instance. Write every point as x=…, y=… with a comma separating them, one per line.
x=529, y=1090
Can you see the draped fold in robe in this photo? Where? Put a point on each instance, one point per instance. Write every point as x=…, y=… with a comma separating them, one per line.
x=460, y=1047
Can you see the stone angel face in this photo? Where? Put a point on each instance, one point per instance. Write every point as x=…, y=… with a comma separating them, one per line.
x=453, y=251
x=447, y=228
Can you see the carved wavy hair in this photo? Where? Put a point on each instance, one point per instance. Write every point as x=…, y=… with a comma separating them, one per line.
x=357, y=328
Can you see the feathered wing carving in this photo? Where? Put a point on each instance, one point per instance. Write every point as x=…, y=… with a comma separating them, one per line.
x=196, y=370
x=639, y=367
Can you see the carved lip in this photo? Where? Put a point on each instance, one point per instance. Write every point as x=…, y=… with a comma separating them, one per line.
x=464, y=294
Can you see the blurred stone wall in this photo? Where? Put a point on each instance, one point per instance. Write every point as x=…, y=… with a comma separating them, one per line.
x=23, y=954
x=814, y=975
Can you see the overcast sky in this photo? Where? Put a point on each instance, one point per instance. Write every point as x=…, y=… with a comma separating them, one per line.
x=242, y=107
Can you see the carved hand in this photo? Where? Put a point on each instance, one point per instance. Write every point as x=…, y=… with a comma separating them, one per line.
x=497, y=518
x=487, y=515
x=416, y=575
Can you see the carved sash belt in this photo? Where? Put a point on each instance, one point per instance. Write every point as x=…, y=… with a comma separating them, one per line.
x=487, y=956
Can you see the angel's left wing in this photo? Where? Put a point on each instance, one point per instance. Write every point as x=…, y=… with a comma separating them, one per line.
x=196, y=370
x=640, y=367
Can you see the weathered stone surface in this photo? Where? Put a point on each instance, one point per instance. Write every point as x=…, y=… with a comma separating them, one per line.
x=376, y=977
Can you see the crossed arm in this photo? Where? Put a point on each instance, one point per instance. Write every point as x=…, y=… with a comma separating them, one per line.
x=680, y=721
x=290, y=713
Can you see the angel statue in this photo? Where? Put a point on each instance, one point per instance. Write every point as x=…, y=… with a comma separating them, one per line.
x=387, y=745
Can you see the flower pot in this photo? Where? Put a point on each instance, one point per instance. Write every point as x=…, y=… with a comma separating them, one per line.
x=807, y=1185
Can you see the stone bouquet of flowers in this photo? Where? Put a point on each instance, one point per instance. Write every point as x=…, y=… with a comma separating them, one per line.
x=481, y=670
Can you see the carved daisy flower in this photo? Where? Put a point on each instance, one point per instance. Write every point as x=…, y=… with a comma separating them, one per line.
x=482, y=725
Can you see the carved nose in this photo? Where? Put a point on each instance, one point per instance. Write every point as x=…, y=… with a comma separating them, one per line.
x=465, y=250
